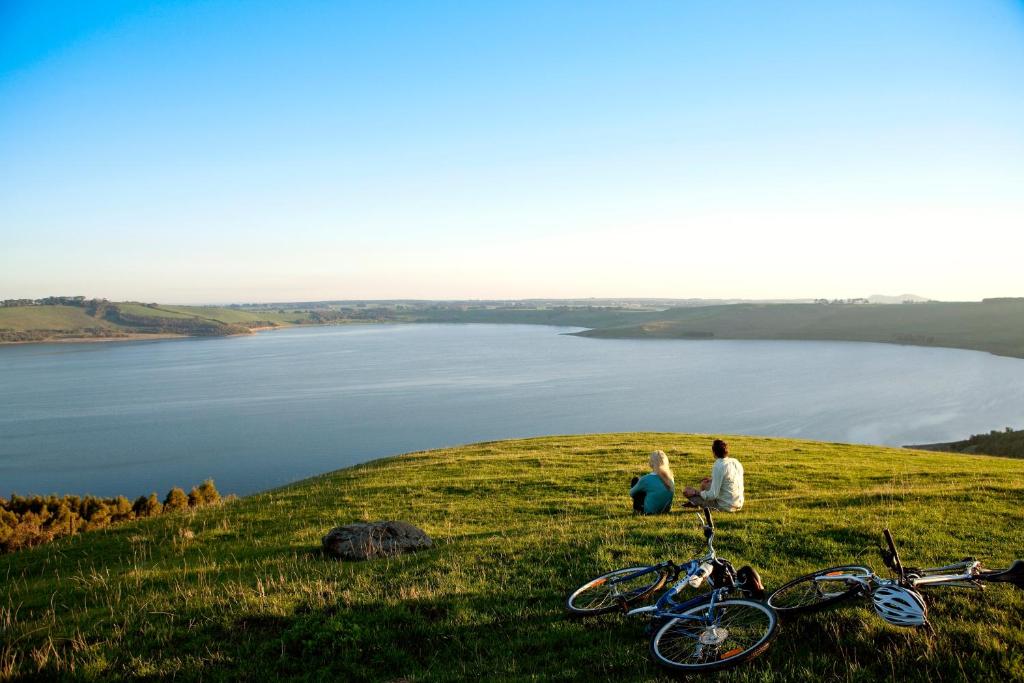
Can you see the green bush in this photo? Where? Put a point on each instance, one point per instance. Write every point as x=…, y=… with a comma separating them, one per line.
x=29, y=521
x=175, y=500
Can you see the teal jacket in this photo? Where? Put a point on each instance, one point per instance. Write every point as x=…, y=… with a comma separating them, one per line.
x=659, y=497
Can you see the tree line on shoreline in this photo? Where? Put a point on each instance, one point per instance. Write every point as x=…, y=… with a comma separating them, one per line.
x=1008, y=443
x=27, y=521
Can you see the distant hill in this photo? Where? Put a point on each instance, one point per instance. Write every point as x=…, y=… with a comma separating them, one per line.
x=63, y=318
x=899, y=299
x=996, y=327
x=1008, y=443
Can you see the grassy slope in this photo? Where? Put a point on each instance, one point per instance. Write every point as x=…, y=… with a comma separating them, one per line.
x=235, y=315
x=241, y=591
x=69, y=318
x=994, y=327
x=132, y=308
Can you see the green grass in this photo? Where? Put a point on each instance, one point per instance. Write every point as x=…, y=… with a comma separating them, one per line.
x=215, y=313
x=996, y=327
x=241, y=591
x=65, y=318
x=235, y=315
x=144, y=311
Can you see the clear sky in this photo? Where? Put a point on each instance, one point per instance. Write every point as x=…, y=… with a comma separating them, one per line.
x=222, y=151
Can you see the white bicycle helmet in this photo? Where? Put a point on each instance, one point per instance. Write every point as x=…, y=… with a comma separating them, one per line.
x=900, y=606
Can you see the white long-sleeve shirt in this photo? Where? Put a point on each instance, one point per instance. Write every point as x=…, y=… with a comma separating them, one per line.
x=726, y=484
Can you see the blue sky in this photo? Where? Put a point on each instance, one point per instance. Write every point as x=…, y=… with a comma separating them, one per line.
x=239, y=151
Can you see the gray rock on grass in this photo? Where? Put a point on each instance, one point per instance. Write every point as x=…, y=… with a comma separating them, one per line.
x=366, y=540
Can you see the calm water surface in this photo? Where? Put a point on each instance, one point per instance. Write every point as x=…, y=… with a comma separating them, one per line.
x=258, y=411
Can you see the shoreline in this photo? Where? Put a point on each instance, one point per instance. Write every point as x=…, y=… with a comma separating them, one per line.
x=143, y=336
x=592, y=333
x=137, y=336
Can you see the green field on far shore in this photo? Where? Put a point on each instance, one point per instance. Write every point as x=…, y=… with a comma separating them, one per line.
x=239, y=315
x=241, y=591
x=996, y=327
x=102, y=319
x=27, y=318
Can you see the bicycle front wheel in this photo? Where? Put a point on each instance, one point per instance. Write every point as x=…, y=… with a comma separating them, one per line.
x=817, y=590
x=707, y=638
x=615, y=590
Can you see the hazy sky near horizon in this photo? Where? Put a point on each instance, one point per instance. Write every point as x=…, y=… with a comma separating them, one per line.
x=222, y=151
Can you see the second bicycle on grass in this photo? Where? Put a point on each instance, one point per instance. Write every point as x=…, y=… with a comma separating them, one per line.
x=897, y=600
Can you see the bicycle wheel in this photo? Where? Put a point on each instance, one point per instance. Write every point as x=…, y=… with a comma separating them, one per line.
x=615, y=590
x=701, y=641
x=816, y=590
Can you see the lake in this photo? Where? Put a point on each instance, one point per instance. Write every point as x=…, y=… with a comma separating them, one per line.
x=259, y=411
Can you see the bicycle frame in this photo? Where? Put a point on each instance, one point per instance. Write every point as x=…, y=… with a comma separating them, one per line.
x=966, y=573
x=666, y=605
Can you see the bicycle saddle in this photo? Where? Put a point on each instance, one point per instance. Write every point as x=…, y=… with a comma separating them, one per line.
x=750, y=580
x=1013, y=574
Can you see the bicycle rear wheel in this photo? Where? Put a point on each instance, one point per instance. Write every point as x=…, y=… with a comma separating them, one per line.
x=706, y=638
x=816, y=590
x=615, y=590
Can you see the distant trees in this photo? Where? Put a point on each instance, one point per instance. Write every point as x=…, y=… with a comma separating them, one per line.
x=346, y=314
x=30, y=521
x=1008, y=443
x=79, y=301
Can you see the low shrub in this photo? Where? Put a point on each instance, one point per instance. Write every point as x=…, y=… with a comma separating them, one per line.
x=33, y=520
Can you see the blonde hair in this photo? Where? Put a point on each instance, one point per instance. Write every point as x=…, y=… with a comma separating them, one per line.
x=660, y=466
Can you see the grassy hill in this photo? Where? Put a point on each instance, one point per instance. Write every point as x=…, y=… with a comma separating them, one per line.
x=241, y=591
x=29, y=318
x=997, y=326
x=238, y=315
x=103, y=319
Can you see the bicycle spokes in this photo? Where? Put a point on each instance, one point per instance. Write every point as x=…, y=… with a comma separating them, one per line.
x=716, y=634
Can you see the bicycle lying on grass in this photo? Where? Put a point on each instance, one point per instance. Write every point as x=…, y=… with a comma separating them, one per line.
x=896, y=600
x=712, y=631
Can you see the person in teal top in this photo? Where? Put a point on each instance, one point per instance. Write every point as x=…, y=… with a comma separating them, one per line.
x=652, y=493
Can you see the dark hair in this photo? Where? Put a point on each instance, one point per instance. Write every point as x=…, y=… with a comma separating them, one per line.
x=720, y=448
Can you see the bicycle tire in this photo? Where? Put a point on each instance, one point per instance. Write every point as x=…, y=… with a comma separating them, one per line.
x=598, y=601
x=780, y=599
x=679, y=646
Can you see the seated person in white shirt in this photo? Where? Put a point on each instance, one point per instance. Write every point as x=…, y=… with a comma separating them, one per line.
x=724, y=489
